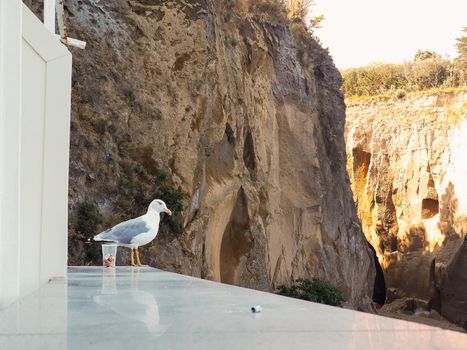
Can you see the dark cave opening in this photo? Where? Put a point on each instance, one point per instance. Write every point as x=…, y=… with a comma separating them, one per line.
x=430, y=207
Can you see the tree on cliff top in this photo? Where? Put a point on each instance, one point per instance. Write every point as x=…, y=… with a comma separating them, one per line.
x=423, y=55
x=462, y=49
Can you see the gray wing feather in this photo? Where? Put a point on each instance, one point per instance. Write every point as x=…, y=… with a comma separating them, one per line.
x=125, y=231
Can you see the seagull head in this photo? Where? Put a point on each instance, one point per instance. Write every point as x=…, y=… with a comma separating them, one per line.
x=158, y=206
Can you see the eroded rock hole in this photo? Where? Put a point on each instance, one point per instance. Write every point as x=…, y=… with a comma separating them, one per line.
x=229, y=133
x=430, y=207
x=236, y=241
x=430, y=204
x=249, y=152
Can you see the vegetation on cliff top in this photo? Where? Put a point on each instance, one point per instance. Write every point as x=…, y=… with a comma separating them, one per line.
x=462, y=50
x=427, y=71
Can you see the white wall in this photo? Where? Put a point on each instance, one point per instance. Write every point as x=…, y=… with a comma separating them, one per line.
x=10, y=116
x=35, y=89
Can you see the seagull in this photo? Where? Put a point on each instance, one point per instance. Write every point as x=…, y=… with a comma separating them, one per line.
x=136, y=232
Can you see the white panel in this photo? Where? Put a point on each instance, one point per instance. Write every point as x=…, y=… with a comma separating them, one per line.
x=47, y=45
x=55, y=179
x=10, y=112
x=35, y=78
x=32, y=136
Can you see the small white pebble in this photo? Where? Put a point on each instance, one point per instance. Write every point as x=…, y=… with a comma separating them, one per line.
x=256, y=309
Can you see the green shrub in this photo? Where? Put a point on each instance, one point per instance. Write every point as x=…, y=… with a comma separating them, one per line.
x=161, y=175
x=100, y=125
x=88, y=219
x=316, y=290
x=174, y=200
x=127, y=183
x=172, y=197
x=175, y=224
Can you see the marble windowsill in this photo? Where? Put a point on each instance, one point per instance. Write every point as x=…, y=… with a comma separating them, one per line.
x=145, y=308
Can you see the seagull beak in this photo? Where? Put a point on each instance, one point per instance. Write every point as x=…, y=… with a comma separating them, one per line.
x=168, y=211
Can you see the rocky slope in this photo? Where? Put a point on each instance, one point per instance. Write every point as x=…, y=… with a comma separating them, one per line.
x=406, y=160
x=233, y=117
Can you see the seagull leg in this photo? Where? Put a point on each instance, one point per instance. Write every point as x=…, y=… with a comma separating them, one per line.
x=132, y=257
x=137, y=257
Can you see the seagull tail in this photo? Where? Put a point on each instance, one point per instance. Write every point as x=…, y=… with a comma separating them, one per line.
x=98, y=237
x=103, y=236
x=93, y=239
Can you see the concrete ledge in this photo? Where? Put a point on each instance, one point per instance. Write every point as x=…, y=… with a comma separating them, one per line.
x=145, y=308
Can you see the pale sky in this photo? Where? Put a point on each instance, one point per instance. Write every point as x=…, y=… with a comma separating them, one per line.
x=358, y=32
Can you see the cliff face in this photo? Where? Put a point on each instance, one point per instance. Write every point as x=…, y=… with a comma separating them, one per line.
x=242, y=114
x=406, y=160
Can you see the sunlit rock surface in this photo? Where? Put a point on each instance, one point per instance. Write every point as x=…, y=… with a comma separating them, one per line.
x=408, y=168
x=243, y=114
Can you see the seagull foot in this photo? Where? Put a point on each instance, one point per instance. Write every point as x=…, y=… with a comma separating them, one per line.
x=132, y=258
x=137, y=257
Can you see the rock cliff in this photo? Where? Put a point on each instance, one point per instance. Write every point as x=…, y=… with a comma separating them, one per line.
x=406, y=160
x=232, y=116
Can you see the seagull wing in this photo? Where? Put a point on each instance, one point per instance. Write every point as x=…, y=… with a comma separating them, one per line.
x=124, y=232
